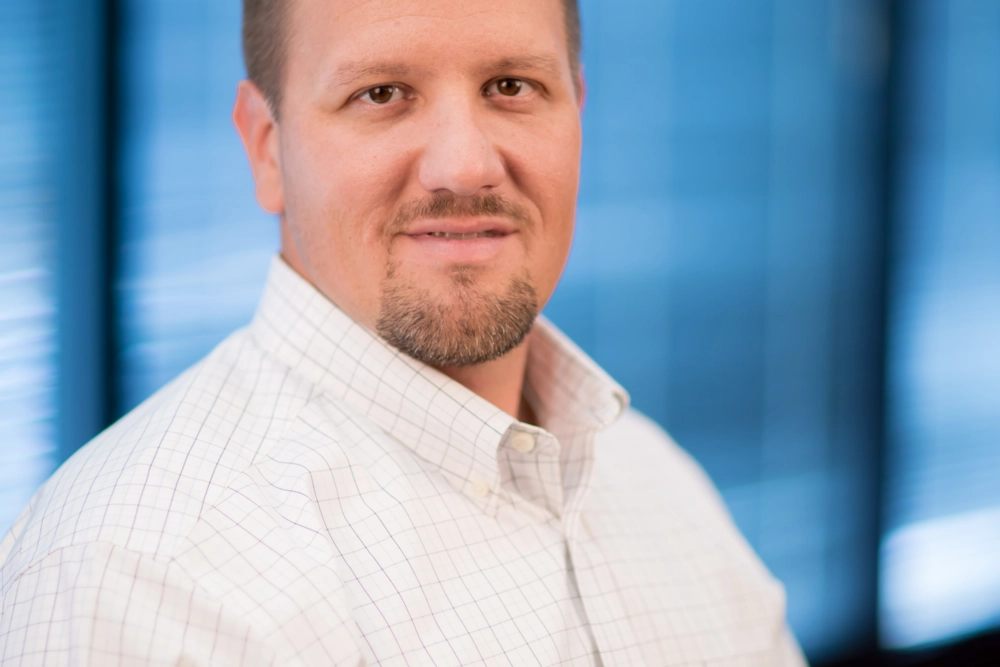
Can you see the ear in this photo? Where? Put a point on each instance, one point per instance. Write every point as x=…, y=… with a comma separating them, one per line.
x=259, y=132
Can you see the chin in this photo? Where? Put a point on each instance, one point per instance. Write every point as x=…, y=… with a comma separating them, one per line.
x=465, y=322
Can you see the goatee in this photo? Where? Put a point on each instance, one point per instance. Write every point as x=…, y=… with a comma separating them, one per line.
x=470, y=326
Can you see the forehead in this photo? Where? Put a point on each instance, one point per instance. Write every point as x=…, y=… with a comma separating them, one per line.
x=426, y=33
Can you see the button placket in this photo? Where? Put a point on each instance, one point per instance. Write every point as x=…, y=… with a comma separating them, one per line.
x=533, y=470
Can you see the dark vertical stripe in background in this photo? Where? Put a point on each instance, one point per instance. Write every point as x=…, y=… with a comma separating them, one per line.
x=85, y=211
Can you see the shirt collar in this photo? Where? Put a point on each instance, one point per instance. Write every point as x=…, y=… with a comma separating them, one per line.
x=445, y=424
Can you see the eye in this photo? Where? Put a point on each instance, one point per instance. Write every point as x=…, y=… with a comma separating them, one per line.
x=382, y=94
x=509, y=88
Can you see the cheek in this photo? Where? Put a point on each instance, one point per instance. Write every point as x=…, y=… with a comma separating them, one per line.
x=549, y=174
x=339, y=198
x=545, y=165
x=342, y=191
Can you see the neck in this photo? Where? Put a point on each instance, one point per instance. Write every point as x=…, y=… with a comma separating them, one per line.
x=501, y=381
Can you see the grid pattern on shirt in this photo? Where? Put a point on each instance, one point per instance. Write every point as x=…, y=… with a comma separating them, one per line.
x=307, y=495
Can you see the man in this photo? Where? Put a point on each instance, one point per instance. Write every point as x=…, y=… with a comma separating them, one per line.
x=397, y=462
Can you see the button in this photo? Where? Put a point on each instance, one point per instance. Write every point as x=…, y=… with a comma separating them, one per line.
x=479, y=488
x=523, y=442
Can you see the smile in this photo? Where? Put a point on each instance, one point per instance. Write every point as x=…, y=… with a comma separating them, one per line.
x=445, y=247
x=462, y=237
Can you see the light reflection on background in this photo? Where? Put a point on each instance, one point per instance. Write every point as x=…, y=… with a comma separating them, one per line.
x=941, y=556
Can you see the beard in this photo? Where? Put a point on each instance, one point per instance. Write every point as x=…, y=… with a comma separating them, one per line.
x=469, y=326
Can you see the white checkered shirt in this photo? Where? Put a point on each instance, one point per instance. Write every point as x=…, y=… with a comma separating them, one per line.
x=307, y=495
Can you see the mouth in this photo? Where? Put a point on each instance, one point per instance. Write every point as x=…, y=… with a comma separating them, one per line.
x=457, y=236
x=461, y=228
x=468, y=241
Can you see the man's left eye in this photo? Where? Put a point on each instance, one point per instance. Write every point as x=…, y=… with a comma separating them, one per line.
x=382, y=94
x=509, y=88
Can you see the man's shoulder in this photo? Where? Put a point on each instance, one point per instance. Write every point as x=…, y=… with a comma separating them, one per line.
x=643, y=446
x=143, y=483
x=635, y=452
x=640, y=464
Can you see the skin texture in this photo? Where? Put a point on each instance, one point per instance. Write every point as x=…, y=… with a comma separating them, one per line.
x=358, y=184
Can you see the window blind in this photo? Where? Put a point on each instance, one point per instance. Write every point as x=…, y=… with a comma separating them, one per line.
x=941, y=554
x=28, y=72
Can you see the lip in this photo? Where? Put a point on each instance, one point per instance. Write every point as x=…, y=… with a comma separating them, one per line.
x=423, y=248
x=478, y=225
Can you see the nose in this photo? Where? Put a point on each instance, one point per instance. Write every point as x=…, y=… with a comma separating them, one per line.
x=459, y=157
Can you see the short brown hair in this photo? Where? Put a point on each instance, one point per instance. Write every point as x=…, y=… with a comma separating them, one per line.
x=265, y=24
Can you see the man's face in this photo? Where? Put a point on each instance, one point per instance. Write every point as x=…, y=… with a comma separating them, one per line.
x=428, y=153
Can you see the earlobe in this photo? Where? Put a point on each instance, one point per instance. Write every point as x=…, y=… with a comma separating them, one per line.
x=255, y=123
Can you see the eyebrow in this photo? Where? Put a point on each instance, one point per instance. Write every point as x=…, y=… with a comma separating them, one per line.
x=547, y=64
x=352, y=72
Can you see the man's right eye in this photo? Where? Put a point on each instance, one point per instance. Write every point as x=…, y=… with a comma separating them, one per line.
x=381, y=94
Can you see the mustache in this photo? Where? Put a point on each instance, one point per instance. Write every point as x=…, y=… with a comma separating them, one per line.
x=449, y=206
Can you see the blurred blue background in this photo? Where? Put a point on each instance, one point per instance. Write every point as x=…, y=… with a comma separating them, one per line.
x=788, y=250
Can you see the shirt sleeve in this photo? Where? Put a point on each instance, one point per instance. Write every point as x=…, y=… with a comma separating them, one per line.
x=100, y=604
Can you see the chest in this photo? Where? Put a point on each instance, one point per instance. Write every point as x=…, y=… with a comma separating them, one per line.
x=434, y=580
